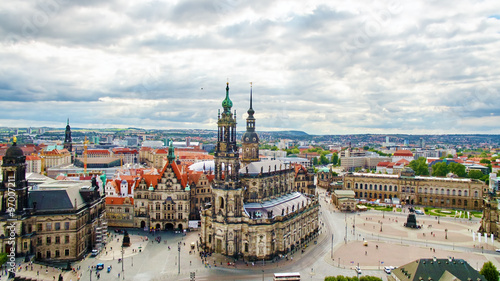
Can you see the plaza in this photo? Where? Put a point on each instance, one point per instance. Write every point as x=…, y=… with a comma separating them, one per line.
x=395, y=245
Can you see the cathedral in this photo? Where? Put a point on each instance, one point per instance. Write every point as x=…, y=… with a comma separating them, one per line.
x=256, y=211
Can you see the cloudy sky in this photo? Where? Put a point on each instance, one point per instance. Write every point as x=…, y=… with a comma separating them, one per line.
x=323, y=67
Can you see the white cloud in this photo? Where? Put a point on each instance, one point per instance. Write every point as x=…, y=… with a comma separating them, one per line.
x=319, y=66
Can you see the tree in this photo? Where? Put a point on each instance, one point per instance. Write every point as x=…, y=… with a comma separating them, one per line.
x=440, y=169
x=323, y=160
x=449, y=156
x=274, y=148
x=315, y=161
x=366, y=147
x=458, y=169
x=335, y=158
x=485, y=161
x=489, y=271
x=420, y=166
x=3, y=258
x=475, y=174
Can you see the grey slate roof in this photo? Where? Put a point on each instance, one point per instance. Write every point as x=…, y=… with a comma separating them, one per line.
x=437, y=269
x=57, y=196
x=267, y=166
x=276, y=205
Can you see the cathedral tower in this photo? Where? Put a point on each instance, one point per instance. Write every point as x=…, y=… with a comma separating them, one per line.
x=227, y=193
x=250, y=139
x=67, y=138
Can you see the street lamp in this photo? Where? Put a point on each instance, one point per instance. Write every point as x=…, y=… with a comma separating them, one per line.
x=179, y=263
x=123, y=271
x=446, y=233
x=380, y=226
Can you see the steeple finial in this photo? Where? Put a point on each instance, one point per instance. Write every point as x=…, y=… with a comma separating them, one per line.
x=250, y=94
x=68, y=122
x=227, y=103
x=250, y=110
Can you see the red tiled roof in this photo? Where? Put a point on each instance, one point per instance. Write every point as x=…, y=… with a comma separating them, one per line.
x=98, y=151
x=118, y=200
x=403, y=152
x=124, y=150
x=32, y=158
x=383, y=164
x=403, y=161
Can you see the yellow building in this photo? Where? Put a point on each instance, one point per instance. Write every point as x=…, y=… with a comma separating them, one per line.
x=440, y=192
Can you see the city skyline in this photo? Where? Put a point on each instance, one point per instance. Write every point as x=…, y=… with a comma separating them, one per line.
x=319, y=67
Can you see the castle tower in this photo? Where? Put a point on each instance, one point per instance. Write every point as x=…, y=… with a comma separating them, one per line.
x=67, y=138
x=250, y=139
x=14, y=188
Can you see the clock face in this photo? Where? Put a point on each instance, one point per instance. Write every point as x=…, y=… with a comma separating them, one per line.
x=247, y=139
x=254, y=139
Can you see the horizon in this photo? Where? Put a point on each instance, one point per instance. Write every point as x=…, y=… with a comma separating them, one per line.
x=322, y=67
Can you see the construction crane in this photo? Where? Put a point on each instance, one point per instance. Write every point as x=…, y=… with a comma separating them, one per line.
x=85, y=143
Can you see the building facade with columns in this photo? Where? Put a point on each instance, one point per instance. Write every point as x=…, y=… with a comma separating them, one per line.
x=439, y=192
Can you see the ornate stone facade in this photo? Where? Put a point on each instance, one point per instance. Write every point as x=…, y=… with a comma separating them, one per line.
x=162, y=201
x=59, y=221
x=255, y=212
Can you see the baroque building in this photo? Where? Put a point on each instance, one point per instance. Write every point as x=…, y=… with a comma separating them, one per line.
x=418, y=190
x=255, y=212
x=57, y=221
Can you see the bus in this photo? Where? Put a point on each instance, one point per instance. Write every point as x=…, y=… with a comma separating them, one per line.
x=291, y=276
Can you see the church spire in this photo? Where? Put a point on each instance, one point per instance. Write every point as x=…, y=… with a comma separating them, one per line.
x=171, y=154
x=250, y=110
x=67, y=138
x=227, y=103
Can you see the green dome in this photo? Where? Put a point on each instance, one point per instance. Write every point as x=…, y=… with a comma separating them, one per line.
x=151, y=188
x=188, y=188
x=227, y=103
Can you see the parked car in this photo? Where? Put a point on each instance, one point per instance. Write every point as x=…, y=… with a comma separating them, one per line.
x=358, y=270
x=94, y=253
x=388, y=269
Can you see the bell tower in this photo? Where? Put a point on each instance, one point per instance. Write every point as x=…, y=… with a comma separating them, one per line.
x=14, y=188
x=227, y=201
x=250, y=139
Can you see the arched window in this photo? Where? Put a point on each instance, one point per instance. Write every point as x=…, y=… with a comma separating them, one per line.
x=460, y=193
x=447, y=192
x=431, y=190
x=370, y=187
x=465, y=194
x=221, y=203
x=385, y=187
x=453, y=192
x=442, y=191
x=356, y=186
x=390, y=187
x=476, y=194
x=395, y=188
x=425, y=190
